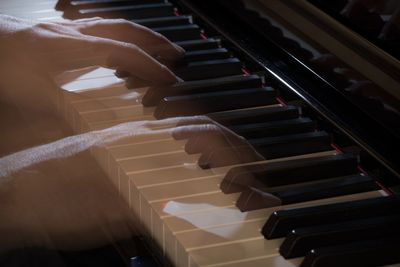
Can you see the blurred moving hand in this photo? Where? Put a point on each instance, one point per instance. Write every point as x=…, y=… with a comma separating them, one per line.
x=52, y=192
x=54, y=195
x=117, y=43
x=32, y=50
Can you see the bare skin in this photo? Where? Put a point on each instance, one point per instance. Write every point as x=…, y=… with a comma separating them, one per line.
x=52, y=192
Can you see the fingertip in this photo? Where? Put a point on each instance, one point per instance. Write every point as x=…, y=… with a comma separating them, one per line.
x=166, y=76
x=179, y=49
x=179, y=133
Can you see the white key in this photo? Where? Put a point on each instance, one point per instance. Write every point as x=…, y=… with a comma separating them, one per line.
x=227, y=227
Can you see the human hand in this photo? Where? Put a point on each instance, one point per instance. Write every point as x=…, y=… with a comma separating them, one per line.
x=54, y=195
x=111, y=42
x=31, y=50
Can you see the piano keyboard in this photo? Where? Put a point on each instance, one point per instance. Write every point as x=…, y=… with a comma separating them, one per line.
x=183, y=207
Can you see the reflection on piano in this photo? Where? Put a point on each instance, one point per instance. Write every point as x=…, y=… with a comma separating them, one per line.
x=310, y=100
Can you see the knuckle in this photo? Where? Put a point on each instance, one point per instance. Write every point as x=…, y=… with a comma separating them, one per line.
x=121, y=21
x=118, y=22
x=97, y=18
x=210, y=127
x=164, y=68
x=44, y=27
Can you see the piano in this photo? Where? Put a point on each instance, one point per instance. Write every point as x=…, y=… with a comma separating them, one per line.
x=314, y=89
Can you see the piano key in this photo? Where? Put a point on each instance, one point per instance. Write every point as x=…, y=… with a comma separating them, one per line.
x=180, y=32
x=157, y=161
x=289, y=172
x=268, y=148
x=125, y=99
x=292, y=138
x=228, y=215
x=188, y=171
x=174, y=173
x=377, y=252
x=216, y=101
x=155, y=94
x=86, y=4
x=301, y=240
x=130, y=11
x=213, y=229
x=154, y=175
x=257, y=259
x=202, y=55
x=255, y=252
x=133, y=111
x=160, y=184
x=255, y=115
x=190, y=56
x=130, y=151
x=184, y=205
x=202, y=44
x=199, y=143
x=256, y=197
x=196, y=187
x=275, y=128
x=317, y=168
x=164, y=21
x=282, y=221
x=199, y=70
x=209, y=69
x=294, y=144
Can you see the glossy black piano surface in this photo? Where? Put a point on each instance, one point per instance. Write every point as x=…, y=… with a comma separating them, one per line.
x=246, y=54
x=315, y=73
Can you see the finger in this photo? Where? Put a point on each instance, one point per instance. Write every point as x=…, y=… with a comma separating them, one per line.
x=78, y=21
x=91, y=51
x=180, y=121
x=226, y=156
x=125, y=31
x=201, y=142
x=132, y=59
x=209, y=128
x=191, y=131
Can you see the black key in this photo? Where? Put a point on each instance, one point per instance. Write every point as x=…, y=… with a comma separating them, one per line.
x=274, y=128
x=200, y=70
x=180, y=32
x=222, y=67
x=203, y=55
x=130, y=11
x=202, y=44
x=256, y=115
x=269, y=148
x=259, y=198
x=289, y=172
x=164, y=21
x=256, y=130
x=86, y=4
x=291, y=145
x=72, y=8
x=376, y=252
x=282, y=221
x=155, y=94
x=196, y=104
x=300, y=241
